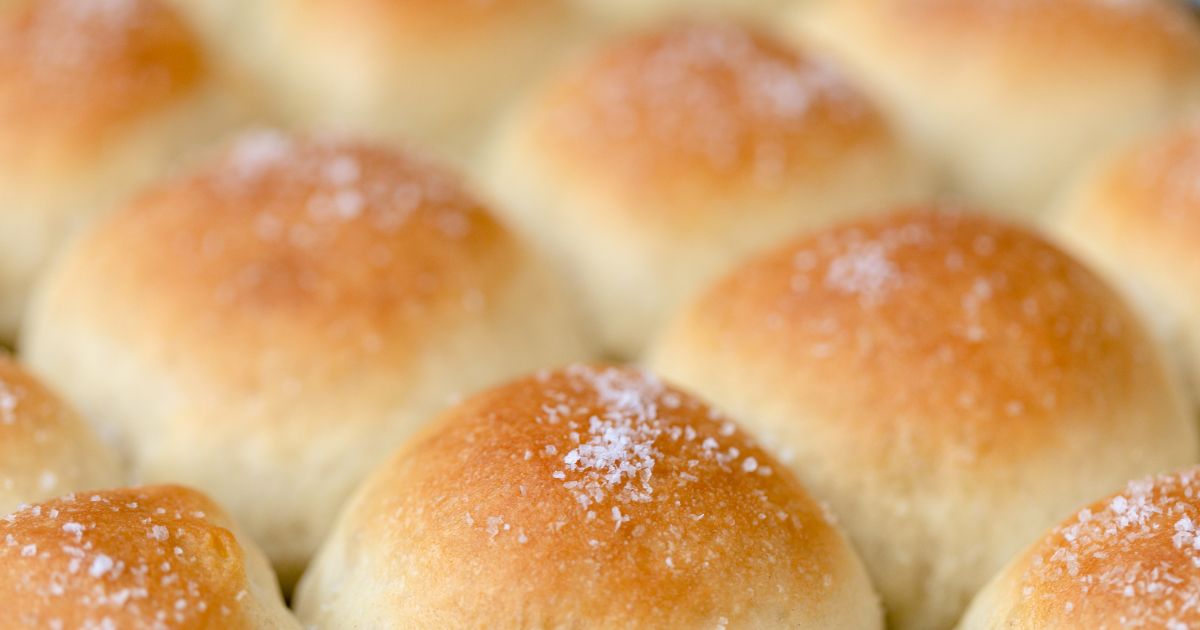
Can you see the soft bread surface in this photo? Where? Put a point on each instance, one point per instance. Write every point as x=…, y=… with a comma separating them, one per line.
x=288, y=313
x=1013, y=94
x=134, y=558
x=1136, y=215
x=96, y=99
x=1131, y=560
x=952, y=385
x=625, y=13
x=431, y=72
x=586, y=497
x=45, y=448
x=651, y=165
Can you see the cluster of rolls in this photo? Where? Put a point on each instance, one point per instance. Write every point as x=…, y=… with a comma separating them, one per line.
x=599, y=314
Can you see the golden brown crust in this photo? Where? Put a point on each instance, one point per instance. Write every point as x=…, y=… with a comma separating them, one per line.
x=282, y=247
x=159, y=556
x=76, y=72
x=588, y=496
x=711, y=105
x=1010, y=329
x=1147, y=194
x=1129, y=560
x=45, y=448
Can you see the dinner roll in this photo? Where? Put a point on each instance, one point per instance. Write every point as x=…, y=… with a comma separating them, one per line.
x=653, y=165
x=1131, y=560
x=431, y=72
x=1014, y=94
x=271, y=326
x=155, y=557
x=96, y=99
x=1136, y=214
x=45, y=449
x=952, y=385
x=585, y=497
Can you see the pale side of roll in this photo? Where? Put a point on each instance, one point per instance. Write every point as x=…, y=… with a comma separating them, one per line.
x=428, y=72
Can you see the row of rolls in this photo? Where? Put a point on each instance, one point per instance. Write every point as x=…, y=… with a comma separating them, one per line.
x=540, y=313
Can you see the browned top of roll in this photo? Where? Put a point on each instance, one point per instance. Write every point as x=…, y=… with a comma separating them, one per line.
x=934, y=319
x=1149, y=193
x=31, y=417
x=129, y=558
x=1129, y=560
x=597, y=495
x=73, y=72
x=715, y=103
x=282, y=248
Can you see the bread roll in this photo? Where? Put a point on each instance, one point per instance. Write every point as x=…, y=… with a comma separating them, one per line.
x=1014, y=94
x=96, y=99
x=45, y=449
x=1136, y=215
x=154, y=557
x=270, y=326
x=951, y=384
x=1131, y=560
x=430, y=72
x=586, y=497
x=650, y=167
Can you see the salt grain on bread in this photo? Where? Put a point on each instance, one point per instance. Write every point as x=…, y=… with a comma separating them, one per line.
x=1013, y=94
x=430, y=72
x=153, y=557
x=270, y=326
x=1136, y=215
x=651, y=166
x=1131, y=560
x=950, y=384
x=98, y=99
x=578, y=498
x=45, y=448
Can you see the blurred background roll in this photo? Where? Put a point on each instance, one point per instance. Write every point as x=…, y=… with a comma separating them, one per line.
x=269, y=326
x=1136, y=215
x=950, y=384
x=153, y=557
x=430, y=72
x=1013, y=94
x=586, y=497
x=634, y=13
x=652, y=165
x=96, y=99
x=45, y=448
x=1131, y=560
